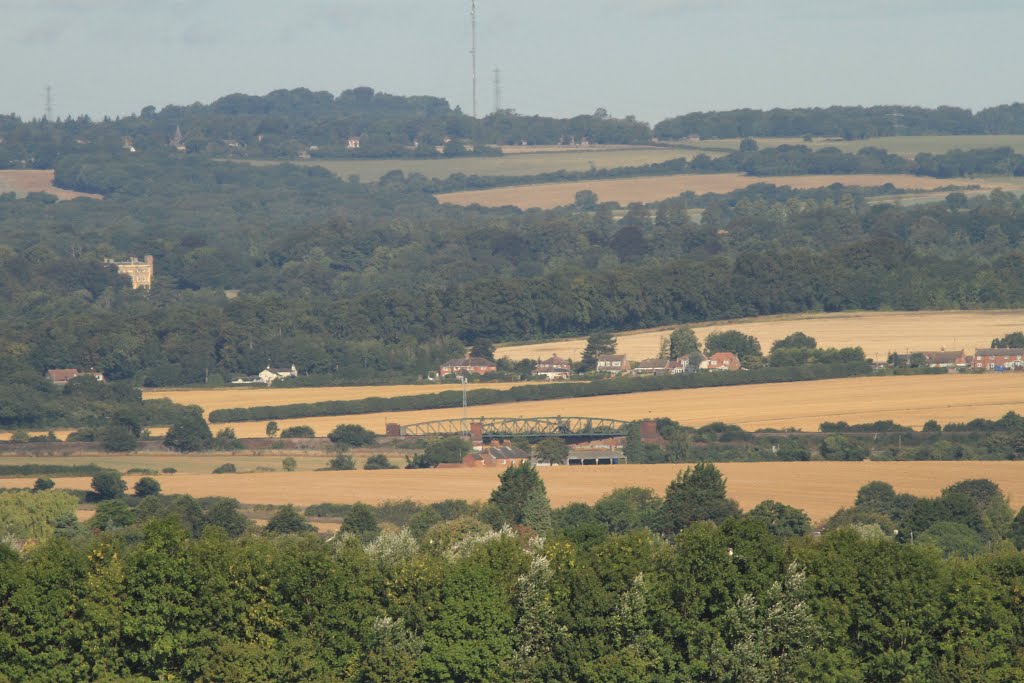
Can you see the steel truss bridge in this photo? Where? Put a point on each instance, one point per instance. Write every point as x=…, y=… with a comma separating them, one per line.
x=587, y=427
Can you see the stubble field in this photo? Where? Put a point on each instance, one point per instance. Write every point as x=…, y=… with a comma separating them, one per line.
x=247, y=397
x=909, y=400
x=818, y=488
x=647, y=189
x=23, y=181
x=877, y=332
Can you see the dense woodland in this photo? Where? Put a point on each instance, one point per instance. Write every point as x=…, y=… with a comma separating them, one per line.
x=373, y=282
x=637, y=587
x=850, y=123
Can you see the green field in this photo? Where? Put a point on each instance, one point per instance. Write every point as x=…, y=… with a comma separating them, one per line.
x=509, y=164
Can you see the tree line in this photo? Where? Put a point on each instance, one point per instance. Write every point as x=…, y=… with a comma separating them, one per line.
x=637, y=587
x=849, y=123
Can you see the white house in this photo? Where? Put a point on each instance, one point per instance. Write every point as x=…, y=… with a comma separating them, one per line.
x=269, y=374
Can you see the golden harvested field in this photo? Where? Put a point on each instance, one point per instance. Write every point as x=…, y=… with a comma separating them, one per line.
x=819, y=488
x=545, y=160
x=21, y=182
x=247, y=397
x=648, y=189
x=909, y=400
x=185, y=463
x=877, y=332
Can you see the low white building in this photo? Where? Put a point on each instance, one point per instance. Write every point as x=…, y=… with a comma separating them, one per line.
x=269, y=374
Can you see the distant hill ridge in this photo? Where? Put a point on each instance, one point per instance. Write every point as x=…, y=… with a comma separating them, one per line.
x=301, y=123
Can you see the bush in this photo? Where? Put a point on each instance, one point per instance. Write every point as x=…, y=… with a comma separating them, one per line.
x=342, y=461
x=226, y=468
x=147, y=486
x=108, y=485
x=43, y=484
x=168, y=470
x=189, y=433
x=287, y=520
x=352, y=435
x=118, y=438
x=298, y=432
x=227, y=441
x=379, y=462
x=140, y=470
x=289, y=464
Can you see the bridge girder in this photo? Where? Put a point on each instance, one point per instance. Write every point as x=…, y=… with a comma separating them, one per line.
x=521, y=426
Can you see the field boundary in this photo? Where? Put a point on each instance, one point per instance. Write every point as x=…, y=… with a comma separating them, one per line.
x=542, y=392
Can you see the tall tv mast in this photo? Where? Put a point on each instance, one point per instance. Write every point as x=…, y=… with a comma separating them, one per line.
x=497, y=90
x=49, y=103
x=472, y=49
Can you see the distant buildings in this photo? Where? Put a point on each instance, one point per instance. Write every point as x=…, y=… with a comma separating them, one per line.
x=998, y=359
x=140, y=271
x=61, y=376
x=613, y=363
x=269, y=374
x=553, y=368
x=470, y=365
x=721, y=361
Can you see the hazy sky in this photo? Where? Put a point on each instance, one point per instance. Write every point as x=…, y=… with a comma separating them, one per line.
x=651, y=58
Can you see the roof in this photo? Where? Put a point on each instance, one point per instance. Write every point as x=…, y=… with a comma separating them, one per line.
x=553, y=363
x=943, y=356
x=62, y=374
x=999, y=351
x=468, y=362
x=611, y=357
x=723, y=356
x=652, y=364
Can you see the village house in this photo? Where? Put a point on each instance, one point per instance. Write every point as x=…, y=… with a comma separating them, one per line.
x=502, y=455
x=612, y=363
x=553, y=368
x=998, y=359
x=660, y=366
x=61, y=376
x=269, y=374
x=470, y=365
x=721, y=361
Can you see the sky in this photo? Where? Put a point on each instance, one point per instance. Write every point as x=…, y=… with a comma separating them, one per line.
x=649, y=58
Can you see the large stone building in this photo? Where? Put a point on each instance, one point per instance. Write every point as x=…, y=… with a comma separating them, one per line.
x=140, y=271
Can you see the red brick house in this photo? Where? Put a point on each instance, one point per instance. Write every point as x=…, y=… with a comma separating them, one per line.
x=470, y=365
x=721, y=361
x=553, y=368
x=998, y=359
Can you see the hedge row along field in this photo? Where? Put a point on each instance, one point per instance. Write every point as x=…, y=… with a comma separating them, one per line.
x=540, y=392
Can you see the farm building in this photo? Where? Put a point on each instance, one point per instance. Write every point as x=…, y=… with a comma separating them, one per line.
x=553, y=368
x=470, y=365
x=998, y=359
